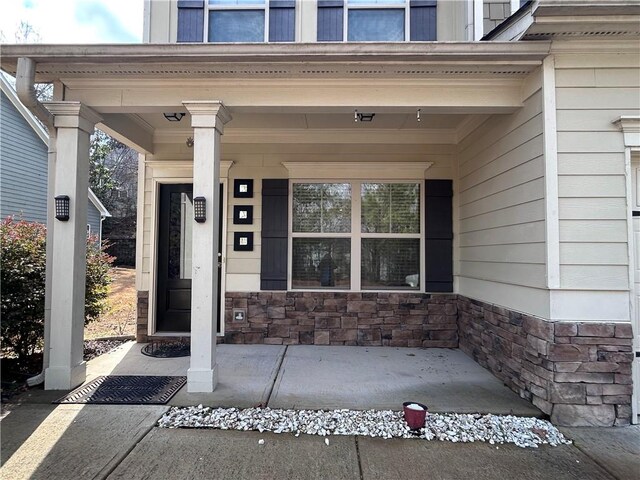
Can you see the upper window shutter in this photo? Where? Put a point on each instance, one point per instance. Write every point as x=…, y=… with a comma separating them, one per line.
x=423, y=20
x=190, y=20
x=275, y=234
x=438, y=236
x=282, y=21
x=330, y=20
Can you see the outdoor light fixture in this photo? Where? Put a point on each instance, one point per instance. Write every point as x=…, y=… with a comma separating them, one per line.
x=62, y=207
x=199, y=209
x=418, y=115
x=364, y=117
x=174, y=117
x=189, y=142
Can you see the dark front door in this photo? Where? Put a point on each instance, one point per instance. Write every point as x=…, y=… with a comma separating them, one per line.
x=173, y=313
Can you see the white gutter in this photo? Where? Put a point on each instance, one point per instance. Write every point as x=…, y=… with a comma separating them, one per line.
x=25, y=80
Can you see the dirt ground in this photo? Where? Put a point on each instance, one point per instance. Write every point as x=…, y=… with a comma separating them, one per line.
x=120, y=318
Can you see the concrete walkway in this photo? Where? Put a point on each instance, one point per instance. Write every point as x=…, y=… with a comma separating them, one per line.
x=40, y=440
x=44, y=441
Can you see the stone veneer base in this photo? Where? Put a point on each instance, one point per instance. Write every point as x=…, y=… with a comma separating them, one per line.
x=578, y=373
x=323, y=318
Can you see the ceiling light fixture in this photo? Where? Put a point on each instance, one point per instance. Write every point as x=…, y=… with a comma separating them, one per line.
x=174, y=117
x=364, y=117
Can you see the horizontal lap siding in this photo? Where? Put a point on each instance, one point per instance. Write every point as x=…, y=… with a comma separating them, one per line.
x=501, y=207
x=23, y=167
x=93, y=219
x=592, y=91
x=260, y=161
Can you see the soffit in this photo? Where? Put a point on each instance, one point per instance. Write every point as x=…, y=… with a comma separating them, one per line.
x=415, y=59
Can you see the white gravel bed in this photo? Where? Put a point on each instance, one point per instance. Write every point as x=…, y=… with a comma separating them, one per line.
x=452, y=427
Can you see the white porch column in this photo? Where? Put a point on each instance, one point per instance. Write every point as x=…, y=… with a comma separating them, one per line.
x=74, y=123
x=207, y=119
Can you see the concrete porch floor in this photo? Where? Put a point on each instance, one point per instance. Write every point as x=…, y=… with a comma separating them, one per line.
x=324, y=377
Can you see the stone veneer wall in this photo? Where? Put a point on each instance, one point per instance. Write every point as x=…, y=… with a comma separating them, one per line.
x=336, y=318
x=579, y=373
x=142, y=323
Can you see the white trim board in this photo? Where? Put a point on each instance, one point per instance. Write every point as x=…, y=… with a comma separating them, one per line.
x=357, y=170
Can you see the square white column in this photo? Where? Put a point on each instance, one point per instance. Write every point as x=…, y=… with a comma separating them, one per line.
x=74, y=124
x=207, y=119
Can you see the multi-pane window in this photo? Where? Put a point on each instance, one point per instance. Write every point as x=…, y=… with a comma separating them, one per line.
x=231, y=21
x=390, y=228
x=356, y=235
x=321, y=243
x=376, y=20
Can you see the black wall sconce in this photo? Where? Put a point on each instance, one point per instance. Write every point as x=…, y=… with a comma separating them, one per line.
x=200, y=209
x=62, y=207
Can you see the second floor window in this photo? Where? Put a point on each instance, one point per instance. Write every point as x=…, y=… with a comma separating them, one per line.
x=376, y=20
x=252, y=21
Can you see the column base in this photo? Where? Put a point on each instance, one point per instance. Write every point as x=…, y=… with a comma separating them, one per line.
x=65, y=378
x=203, y=381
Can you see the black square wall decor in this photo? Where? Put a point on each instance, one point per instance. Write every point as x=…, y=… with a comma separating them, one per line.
x=243, y=214
x=243, y=188
x=243, y=241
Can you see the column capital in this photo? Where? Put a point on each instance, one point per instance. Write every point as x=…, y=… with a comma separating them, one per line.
x=630, y=126
x=73, y=115
x=207, y=114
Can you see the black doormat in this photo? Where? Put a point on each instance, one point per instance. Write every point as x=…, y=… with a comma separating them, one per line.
x=166, y=349
x=126, y=390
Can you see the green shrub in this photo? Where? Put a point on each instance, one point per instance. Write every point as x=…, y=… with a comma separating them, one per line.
x=22, y=280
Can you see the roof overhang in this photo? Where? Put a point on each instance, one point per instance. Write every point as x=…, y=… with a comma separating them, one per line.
x=60, y=62
x=98, y=204
x=562, y=19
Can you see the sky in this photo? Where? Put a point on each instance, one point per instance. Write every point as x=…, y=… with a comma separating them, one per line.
x=74, y=21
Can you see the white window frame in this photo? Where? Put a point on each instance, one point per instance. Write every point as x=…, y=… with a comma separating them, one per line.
x=256, y=6
x=377, y=6
x=356, y=236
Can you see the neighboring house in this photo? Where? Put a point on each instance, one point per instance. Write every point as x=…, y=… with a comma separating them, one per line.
x=23, y=166
x=370, y=173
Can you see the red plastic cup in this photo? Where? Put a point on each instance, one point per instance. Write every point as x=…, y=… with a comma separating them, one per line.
x=414, y=418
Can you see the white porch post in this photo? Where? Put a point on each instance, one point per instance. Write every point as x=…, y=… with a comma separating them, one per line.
x=74, y=123
x=207, y=119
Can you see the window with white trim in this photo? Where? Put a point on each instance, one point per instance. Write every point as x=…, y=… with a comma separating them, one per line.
x=250, y=21
x=356, y=235
x=377, y=20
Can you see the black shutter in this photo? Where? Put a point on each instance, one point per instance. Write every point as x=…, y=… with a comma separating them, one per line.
x=282, y=21
x=190, y=20
x=330, y=20
x=423, y=20
x=275, y=230
x=438, y=236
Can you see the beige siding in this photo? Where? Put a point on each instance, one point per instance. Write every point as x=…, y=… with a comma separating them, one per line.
x=259, y=161
x=501, y=210
x=592, y=91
